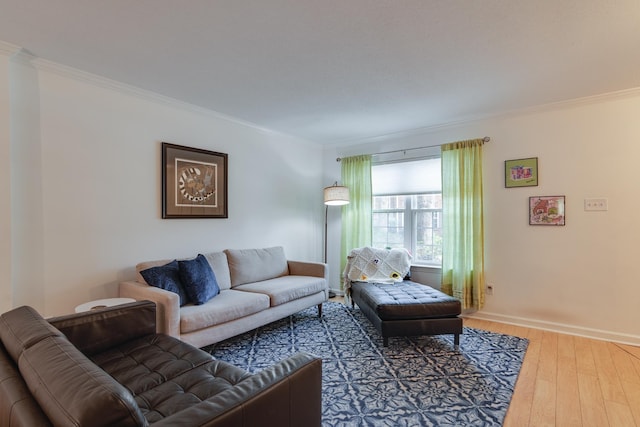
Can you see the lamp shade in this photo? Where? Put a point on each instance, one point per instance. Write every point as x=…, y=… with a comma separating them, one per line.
x=336, y=195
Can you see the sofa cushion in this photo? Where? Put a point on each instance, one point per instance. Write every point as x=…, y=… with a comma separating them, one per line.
x=229, y=305
x=254, y=265
x=166, y=375
x=189, y=389
x=220, y=267
x=198, y=279
x=72, y=390
x=23, y=327
x=166, y=277
x=287, y=288
x=146, y=362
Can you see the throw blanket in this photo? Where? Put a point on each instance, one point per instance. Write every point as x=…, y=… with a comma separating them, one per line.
x=375, y=265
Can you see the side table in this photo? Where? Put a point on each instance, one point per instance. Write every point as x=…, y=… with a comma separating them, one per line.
x=102, y=303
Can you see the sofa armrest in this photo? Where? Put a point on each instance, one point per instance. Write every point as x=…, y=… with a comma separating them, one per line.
x=97, y=330
x=304, y=268
x=18, y=407
x=288, y=393
x=167, y=305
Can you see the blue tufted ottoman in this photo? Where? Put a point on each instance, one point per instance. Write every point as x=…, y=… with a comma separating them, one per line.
x=408, y=309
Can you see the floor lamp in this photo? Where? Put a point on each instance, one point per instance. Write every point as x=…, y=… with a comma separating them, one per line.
x=335, y=195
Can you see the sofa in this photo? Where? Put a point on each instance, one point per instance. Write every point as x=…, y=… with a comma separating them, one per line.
x=109, y=367
x=256, y=287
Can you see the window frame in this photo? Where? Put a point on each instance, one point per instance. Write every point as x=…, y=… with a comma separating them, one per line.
x=410, y=217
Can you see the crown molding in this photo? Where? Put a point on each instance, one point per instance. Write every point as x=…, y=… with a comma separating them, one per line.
x=9, y=49
x=106, y=83
x=24, y=57
x=553, y=106
x=146, y=95
x=572, y=103
x=20, y=55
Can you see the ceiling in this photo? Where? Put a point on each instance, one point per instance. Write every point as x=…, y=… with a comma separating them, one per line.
x=342, y=71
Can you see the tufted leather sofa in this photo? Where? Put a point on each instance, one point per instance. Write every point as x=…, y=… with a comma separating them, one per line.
x=109, y=367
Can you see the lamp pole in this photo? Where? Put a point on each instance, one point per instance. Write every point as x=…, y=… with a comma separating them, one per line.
x=326, y=214
x=335, y=195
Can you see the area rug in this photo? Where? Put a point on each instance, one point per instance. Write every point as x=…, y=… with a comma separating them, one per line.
x=418, y=381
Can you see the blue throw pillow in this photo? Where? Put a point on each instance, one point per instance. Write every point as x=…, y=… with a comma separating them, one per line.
x=198, y=279
x=166, y=277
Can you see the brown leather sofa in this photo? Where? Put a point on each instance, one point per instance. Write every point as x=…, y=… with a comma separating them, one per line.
x=109, y=367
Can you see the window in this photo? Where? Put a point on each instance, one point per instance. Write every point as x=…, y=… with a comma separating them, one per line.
x=407, y=208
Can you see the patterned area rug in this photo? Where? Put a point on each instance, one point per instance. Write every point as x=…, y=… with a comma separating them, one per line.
x=419, y=381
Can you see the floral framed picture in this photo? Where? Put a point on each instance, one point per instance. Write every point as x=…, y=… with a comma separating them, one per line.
x=194, y=182
x=521, y=172
x=547, y=210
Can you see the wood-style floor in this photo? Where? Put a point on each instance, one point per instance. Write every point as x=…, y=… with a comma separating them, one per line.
x=568, y=381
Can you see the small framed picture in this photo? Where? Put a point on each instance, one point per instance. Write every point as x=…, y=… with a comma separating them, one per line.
x=521, y=172
x=546, y=210
x=194, y=182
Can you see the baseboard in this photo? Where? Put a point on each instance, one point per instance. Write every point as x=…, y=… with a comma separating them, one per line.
x=597, y=334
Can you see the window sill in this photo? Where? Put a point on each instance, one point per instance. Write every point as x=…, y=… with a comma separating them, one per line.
x=424, y=267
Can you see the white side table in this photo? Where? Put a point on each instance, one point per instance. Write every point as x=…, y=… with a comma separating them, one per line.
x=102, y=303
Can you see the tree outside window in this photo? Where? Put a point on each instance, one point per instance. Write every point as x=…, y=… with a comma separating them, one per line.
x=411, y=221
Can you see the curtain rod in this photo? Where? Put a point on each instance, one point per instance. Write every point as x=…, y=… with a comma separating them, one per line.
x=485, y=139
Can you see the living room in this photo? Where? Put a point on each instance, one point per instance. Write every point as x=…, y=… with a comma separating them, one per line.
x=80, y=164
x=71, y=137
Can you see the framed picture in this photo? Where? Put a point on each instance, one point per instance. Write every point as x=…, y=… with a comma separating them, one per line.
x=521, y=172
x=546, y=210
x=194, y=182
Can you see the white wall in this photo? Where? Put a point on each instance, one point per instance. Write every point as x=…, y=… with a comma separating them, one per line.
x=99, y=194
x=80, y=164
x=27, y=233
x=580, y=278
x=6, y=294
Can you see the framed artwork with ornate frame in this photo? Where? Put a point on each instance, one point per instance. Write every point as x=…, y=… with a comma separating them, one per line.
x=194, y=182
x=521, y=172
x=546, y=210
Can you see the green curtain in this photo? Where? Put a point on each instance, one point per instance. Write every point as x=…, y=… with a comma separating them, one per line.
x=462, y=223
x=356, y=216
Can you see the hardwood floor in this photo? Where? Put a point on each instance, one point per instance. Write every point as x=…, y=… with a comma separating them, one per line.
x=568, y=381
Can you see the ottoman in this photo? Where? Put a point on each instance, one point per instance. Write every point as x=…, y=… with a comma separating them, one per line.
x=408, y=309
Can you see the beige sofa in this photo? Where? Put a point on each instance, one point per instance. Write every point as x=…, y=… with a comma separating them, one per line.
x=257, y=286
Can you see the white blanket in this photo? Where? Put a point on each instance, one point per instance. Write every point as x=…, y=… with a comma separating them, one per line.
x=375, y=265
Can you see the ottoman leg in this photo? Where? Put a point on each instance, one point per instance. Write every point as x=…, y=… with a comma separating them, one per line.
x=385, y=341
x=456, y=340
